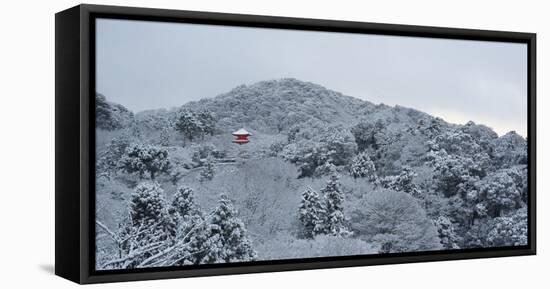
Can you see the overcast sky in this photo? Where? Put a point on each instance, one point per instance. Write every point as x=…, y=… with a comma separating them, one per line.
x=144, y=65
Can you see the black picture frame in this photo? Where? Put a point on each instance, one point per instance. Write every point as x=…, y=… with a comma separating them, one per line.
x=75, y=142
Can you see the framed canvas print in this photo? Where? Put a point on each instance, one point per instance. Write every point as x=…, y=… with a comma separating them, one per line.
x=193, y=144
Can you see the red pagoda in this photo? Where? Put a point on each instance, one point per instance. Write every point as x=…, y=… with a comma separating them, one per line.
x=241, y=136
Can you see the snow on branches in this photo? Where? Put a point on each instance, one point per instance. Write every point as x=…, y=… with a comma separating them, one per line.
x=363, y=167
x=141, y=159
x=323, y=214
x=155, y=234
x=194, y=124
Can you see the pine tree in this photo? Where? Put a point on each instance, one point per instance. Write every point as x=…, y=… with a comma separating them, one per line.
x=148, y=223
x=196, y=231
x=333, y=221
x=311, y=212
x=207, y=122
x=187, y=124
x=108, y=160
x=147, y=204
x=207, y=172
x=227, y=237
x=140, y=158
x=363, y=167
x=183, y=205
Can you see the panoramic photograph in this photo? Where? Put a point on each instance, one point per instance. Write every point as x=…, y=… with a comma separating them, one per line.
x=220, y=144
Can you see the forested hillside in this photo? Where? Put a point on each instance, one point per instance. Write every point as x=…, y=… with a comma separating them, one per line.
x=324, y=174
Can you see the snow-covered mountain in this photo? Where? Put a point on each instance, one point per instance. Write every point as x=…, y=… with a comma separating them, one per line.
x=111, y=116
x=398, y=179
x=394, y=135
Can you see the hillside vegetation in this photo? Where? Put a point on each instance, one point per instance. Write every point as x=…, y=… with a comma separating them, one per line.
x=324, y=174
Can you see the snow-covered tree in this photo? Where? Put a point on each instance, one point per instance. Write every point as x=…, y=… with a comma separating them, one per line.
x=456, y=142
x=363, y=167
x=432, y=127
x=509, y=230
x=452, y=171
x=466, y=144
x=510, y=149
x=192, y=227
x=387, y=243
x=111, y=116
x=500, y=192
x=147, y=204
x=447, y=234
x=402, y=182
x=164, y=137
x=334, y=220
x=311, y=213
x=207, y=122
x=395, y=222
x=484, y=135
x=183, y=204
x=227, y=236
x=292, y=133
x=207, y=171
x=108, y=159
x=519, y=175
x=140, y=158
x=134, y=244
x=148, y=228
x=193, y=125
x=187, y=123
x=364, y=134
x=339, y=146
x=332, y=146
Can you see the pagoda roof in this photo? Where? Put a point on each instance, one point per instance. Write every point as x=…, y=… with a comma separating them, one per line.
x=241, y=131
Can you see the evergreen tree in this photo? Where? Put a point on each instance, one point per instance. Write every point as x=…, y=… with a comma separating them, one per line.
x=363, y=133
x=402, y=182
x=147, y=204
x=111, y=116
x=499, y=193
x=314, y=157
x=449, y=238
x=333, y=221
x=227, y=237
x=183, y=205
x=141, y=159
x=207, y=172
x=187, y=124
x=363, y=167
x=108, y=160
x=195, y=231
x=311, y=212
x=193, y=125
x=207, y=122
x=148, y=224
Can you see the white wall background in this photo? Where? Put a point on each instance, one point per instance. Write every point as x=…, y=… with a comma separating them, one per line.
x=27, y=144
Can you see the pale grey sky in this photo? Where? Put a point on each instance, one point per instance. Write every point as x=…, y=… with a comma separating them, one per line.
x=145, y=65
